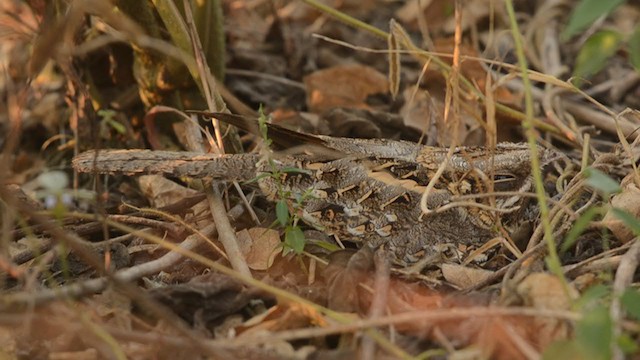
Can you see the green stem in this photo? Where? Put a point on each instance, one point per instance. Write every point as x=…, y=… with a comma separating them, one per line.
x=346, y=18
x=553, y=258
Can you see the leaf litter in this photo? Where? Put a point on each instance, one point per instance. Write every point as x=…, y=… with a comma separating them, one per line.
x=102, y=276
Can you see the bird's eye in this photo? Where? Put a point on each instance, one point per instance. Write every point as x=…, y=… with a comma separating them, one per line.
x=502, y=178
x=504, y=181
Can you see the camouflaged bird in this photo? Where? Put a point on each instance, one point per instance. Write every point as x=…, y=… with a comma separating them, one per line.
x=366, y=191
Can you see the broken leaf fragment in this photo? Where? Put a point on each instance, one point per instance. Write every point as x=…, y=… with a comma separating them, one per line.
x=259, y=246
x=623, y=218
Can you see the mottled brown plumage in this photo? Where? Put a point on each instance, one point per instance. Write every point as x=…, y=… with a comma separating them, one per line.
x=366, y=191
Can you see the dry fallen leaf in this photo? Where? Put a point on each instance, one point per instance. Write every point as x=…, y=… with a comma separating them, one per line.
x=343, y=86
x=432, y=12
x=420, y=112
x=546, y=291
x=463, y=276
x=162, y=192
x=629, y=201
x=260, y=246
x=8, y=341
x=282, y=317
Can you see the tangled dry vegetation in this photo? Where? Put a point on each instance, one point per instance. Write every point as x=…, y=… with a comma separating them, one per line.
x=145, y=266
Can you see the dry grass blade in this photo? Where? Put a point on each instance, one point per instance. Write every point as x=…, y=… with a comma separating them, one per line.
x=394, y=60
x=372, y=145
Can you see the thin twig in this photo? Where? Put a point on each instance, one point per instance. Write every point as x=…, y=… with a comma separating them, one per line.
x=226, y=234
x=624, y=277
x=379, y=301
x=91, y=286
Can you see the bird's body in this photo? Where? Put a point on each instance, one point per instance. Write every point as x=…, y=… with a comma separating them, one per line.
x=367, y=191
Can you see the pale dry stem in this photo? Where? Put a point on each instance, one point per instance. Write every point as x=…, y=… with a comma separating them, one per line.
x=226, y=233
x=624, y=278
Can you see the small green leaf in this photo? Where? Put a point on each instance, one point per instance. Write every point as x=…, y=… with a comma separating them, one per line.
x=595, y=53
x=632, y=222
x=331, y=247
x=59, y=210
x=592, y=296
x=634, y=48
x=294, y=239
x=562, y=349
x=553, y=265
x=119, y=128
x=601, y=182
x=627, y=344
x=295, y=170
x=108, y=116
x=594, y=334
x=257, y=178
x=585, y=13
x=282, y=212
x=631, y=301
